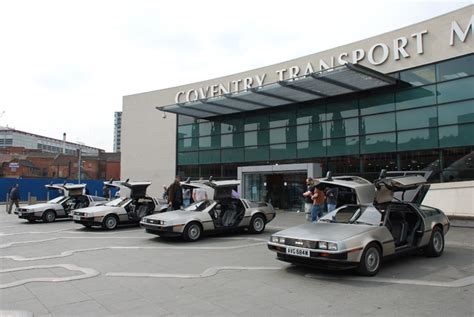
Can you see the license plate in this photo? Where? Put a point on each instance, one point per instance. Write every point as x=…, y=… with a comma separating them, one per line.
x=297, y=251
x=76, y=217
x=20, y=214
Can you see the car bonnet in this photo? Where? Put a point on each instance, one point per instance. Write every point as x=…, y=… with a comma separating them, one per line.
x=175, y=215
x=322, y=231
x=42, y=206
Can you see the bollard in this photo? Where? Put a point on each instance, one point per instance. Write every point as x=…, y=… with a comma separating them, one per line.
x=6, y=203
x=47, y=195
x=96, y=193
x=29, y=198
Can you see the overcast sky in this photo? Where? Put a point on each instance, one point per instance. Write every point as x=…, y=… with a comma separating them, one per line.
x=65, y=65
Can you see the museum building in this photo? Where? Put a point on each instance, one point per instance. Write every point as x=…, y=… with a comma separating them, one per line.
x=403, y=100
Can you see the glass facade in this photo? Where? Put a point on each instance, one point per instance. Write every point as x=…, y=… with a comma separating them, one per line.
x=407, y=127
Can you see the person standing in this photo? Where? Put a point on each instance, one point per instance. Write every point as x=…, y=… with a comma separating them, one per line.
x=331, y=198
x=14, y=197
x=308, y=201
x=199, y=194
x=318, y=204
x=175, y=194
x=106, y=192
x=186, y=197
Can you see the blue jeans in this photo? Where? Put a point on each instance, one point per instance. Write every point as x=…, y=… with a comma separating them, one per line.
x=331, y=207
x=316, y=212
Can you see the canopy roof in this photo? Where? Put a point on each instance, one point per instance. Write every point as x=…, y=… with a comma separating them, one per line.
x=331, y=82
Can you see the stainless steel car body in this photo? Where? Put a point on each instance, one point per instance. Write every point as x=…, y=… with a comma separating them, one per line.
x=345, y=234
x=130, y=207
x=73, y=197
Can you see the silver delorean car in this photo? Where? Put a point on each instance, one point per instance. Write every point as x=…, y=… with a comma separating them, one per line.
x=374, y=221
x=73, y=197
x=131, y=205
x=221, y=212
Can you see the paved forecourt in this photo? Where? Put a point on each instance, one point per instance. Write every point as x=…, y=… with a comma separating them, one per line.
x=64, y=269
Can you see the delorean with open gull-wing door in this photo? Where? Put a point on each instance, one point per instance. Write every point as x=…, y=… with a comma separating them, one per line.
x=221, y=212
x=132, y=205
x=374, y=221
x=73, y=196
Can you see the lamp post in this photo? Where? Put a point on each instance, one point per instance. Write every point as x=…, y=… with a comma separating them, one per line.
x=79, y=155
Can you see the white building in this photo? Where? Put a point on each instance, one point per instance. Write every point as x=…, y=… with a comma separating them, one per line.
x=117, y=130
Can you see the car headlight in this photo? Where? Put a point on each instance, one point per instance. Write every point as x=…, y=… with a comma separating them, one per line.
x=323, y=245
x=274, y=239
x=332, y=246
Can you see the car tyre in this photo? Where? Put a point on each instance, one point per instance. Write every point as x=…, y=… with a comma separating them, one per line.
x=192, y=232
x=370, y=261
x=110, y=222
x=49, y=216
x=436, y=246
x=257, y=224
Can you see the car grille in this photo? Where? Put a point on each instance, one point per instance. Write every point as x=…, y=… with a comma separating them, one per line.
x=152, y=221
x=22, y=210
x=79, y=213
x=301, y=243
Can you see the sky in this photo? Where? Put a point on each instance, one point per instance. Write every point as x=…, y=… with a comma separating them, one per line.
x=65, y=65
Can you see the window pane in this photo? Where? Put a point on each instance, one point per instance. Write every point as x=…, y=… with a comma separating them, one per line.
x=459, y=112
x=418, y=139
x=416, y=97
x=209, y=142
x=210, y=170
x=188, y=171
x=342, y=109
x=232, y=155
x=458, y=164
x=456, y=90
x=311, y=149
x=372, y=164
x=256, y=153
x=344, y=165
x=256, y=138
x=283, y=151
x=376, y=143
x=282, y=118
x=419, y=76
x=377, y=103
x=209, y=156
x=456, y=135
x=420, y=160
x=188, y=158
x=342, y=128
x=377, y=123
x=343, y=146
x=314, y=131
x=283, y=135
x=188, y=131
x=417, y=118
x=256, y=122
x=456, y=68
x=311, y=114
x=186, y=120
x=232, y=140
x=188, y=144
x=232, y=126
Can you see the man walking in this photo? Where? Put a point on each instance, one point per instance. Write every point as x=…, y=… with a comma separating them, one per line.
x=14, y=197
x=175, y=194
x=308, y=201
x=318, y=204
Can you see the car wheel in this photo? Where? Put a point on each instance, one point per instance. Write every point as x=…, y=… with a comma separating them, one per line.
x=436, y=246
x=257, y=224
x=192, y=232
x=370, y=261
x=110, y=222
x=49, y=216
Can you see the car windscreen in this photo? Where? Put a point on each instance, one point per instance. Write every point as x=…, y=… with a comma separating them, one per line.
x=57, y=200
x=354, y=214
x=199, y=206
x=119, y=202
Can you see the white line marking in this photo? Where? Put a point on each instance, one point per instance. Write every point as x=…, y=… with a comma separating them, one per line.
x=207, y=273
x=87, y=273
x=71, y=252
x=456, y=283
x=31, y=232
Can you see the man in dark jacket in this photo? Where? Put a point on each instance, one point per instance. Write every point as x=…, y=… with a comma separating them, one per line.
x=175, y=194
x=14, y=197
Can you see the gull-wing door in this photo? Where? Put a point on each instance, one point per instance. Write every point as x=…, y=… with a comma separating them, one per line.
x=410, y=188
x=69, y=189
x=223, y=189
x=136, y=189
x=199, y=184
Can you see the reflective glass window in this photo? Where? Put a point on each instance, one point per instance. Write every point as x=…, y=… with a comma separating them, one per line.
x=209, y=142
x=377, y=103
x=283, y=135
x=455, y=68
x=208, y=127
x=232, y=155
x=213, y=170
x=206, y=157
x=283, y=151
x=456, y=135
x=342, y=128
x=417, y=118
x=458, y=164
x=190, y=144
x=311, y=114
x=256, y=122
x=374, y=163
x=255, y=138
x=420, y=160
x=377, y=123
x=188, y=158
x=417, y=139
x=186, y=171
x=311, y=149
x=376, y=143
x=232, y=140
x=419, y=76
x=232, y=126
x=186, y=120
x=188, y=131
x=343, y=146
x=416, y=97
x=282, y=118
x=342, y=109
x=344, y=165
x=256, y=153
x=458, y=112
x=456, y=90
